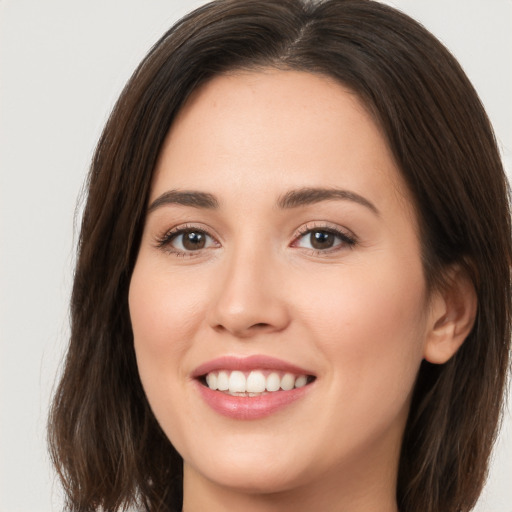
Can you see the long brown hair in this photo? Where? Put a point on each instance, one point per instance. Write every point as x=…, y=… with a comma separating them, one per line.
x=105, y=442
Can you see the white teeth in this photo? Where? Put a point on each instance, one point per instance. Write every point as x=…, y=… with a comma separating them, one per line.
x=287, y=382
x=301, y=381
x=256, y=382
x=223, y=381
x=211, y=380
x=236, y=382
x=273, y=382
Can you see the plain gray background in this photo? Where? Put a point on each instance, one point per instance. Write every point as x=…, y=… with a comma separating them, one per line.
x=62, y=65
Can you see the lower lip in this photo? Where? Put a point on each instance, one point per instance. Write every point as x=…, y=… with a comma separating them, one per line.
x=250, y=408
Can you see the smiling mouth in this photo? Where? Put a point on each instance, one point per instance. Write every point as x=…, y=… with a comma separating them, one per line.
x=254, y=383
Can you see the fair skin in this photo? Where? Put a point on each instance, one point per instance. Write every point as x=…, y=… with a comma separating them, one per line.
x=331, y=283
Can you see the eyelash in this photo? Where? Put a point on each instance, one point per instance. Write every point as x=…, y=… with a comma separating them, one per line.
x=347, y=240
x=164, y=242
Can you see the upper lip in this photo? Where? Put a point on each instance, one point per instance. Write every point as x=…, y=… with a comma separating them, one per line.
x=245, y=364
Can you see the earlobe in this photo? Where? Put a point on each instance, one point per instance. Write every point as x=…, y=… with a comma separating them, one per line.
x=453, y=313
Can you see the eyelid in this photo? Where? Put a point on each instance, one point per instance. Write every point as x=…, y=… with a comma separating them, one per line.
x=348, y=238
x=164, y=240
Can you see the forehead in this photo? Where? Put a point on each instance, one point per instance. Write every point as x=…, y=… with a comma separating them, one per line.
x=269, y=129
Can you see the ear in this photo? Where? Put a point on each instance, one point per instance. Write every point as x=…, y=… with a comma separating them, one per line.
x=452, y=315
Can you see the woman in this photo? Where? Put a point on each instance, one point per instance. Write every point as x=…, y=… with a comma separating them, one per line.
x=293, y=284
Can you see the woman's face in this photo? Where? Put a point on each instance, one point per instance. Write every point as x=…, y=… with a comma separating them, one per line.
x=280, y=259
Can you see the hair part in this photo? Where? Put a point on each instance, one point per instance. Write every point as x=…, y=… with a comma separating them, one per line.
x=104, y=440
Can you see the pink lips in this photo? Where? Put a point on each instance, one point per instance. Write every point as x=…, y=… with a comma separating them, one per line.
x=247, y=364
x=245, y=407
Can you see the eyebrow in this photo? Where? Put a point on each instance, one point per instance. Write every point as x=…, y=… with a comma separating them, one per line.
x=292, y=199
x=306, y=196
x=185, y=198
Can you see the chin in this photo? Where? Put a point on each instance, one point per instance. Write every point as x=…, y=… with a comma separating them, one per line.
x=264, y=470
x=253, y=478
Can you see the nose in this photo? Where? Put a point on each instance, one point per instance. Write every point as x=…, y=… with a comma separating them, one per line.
x=250, y=296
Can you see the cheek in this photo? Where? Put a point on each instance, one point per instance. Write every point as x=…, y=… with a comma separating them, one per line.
x=370, y=332
x=164, y=315
x=162, y=309
x=370, y=323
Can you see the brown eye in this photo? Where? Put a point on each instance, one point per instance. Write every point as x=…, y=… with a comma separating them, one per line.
x=189, y=240
x=322, y=239
x=193, y=240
